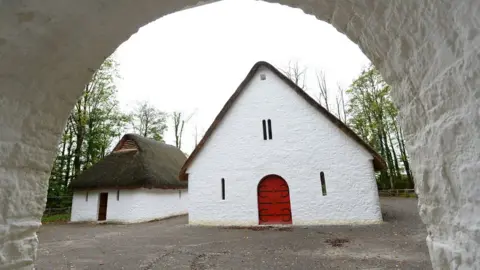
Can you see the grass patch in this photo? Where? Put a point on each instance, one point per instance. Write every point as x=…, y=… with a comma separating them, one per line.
x=58, y=218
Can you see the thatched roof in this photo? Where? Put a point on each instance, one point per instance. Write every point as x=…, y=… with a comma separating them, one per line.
x=378, y=162
x=135, y=162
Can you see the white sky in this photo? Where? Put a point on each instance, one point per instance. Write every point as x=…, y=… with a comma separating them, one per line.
x=194, y=60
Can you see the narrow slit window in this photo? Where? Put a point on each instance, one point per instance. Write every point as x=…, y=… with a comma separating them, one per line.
x=86, y=197
x=264, y=124
x=324, y=186
x=223, y=189
x=118, y=194
x=269, y=129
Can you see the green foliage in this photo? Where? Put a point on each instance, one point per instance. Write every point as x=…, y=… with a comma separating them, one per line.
x=93, y=125
x=372, y=115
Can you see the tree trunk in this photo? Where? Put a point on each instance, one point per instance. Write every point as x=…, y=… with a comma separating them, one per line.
x=403, y=153
x=383, y=174
x=89, y=154
x=145, y=128
x=322, y=86
x=343, y=106
x=176, y=128
x=406, y=163
x=395, y=157
x=102, y=152
x=62, y=157
x=69, y=158
x=80, y=137
x=337, y=101
x=388, y=155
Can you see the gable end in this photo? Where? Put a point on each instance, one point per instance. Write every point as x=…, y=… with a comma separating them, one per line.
x=126, y=145
x=378, y=162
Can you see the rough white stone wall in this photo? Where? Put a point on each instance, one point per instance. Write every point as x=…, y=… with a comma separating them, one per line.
x=134, y=205
x=304, y=144
x=86, y=209
x=427, y=50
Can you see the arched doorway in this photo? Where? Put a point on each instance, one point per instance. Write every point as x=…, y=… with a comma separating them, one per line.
x=421, y=48
x=274, y=201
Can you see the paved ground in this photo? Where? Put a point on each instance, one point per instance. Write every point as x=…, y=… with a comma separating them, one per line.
x=399, y=243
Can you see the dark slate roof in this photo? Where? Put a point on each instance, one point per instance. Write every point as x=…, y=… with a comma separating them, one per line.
x=378, y=162
x=153, y=165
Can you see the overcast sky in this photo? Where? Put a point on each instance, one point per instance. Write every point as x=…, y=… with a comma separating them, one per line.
x=192, y=61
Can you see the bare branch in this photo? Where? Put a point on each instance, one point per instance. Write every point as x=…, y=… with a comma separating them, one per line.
x=148, y=121
x=323, y=90
x=179, y=121
x=342, y=100
x=296, y=74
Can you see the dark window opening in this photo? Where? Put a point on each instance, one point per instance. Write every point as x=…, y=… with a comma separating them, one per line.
x=324, y=187
x=269, y=129
x=118, y=194
x=223, y=189
x=264, y=124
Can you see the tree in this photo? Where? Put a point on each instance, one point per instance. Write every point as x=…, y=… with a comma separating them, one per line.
x=323, y=89
x=372, y=115
x=96, y=118
x=340, y=102
x=392, y=114
x=149, y=121
x=92, y=126
x=197, y=136
x=179, y=121
x=296, y=74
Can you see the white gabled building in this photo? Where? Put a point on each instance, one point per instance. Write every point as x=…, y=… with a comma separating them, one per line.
x=137, y=182
x=273, y=155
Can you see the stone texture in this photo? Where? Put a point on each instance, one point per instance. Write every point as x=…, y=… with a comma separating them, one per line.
x=429, y=51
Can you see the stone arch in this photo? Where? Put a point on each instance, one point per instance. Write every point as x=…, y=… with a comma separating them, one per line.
x=427, y=50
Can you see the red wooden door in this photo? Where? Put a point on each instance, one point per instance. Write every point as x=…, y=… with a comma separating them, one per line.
x=274, y=201
x=102, y=206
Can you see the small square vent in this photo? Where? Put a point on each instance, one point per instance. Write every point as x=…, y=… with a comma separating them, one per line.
x=263, y=77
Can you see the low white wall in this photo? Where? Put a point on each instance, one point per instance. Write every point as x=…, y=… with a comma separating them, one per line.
x=347, y=201
x=134, y=205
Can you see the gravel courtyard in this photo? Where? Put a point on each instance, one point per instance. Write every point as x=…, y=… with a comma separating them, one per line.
x=399, y=243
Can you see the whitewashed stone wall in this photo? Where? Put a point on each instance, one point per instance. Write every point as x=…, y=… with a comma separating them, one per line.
x=133, y=205
x=303, y=144
x=427, y=50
